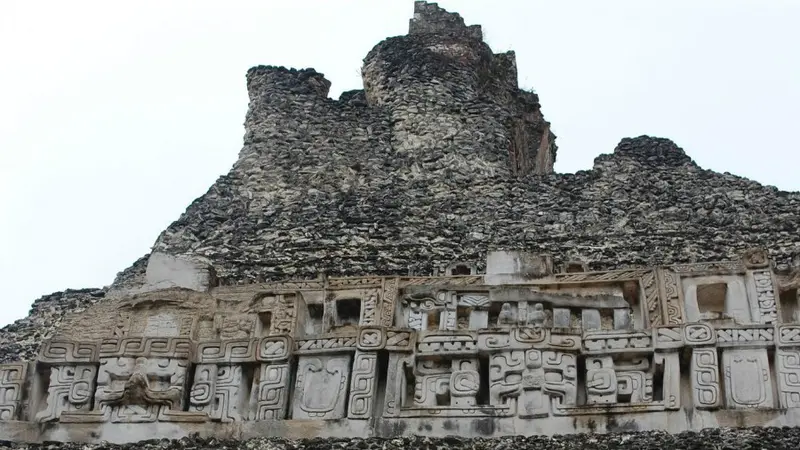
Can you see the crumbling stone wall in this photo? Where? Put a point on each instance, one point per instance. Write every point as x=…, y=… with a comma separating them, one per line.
x=712, y=439
x=442, y=158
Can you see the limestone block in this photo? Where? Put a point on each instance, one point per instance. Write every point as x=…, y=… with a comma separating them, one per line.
x=507, y=267
x=12, y=381
x=321, y=387
x=561, y=318
x=478, y=320
x=623, y=319
x=166, y=271
x=705, y=378
x=787, y=368
x=590, y=319
x=748, y=383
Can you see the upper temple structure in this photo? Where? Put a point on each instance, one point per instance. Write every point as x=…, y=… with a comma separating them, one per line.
x=404, y=261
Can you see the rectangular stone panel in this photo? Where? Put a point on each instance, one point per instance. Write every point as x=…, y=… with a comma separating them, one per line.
x=270, y=394
x=705, y=378
x=321, y=388
x=748, y=383
x=363, y=385
x=787, y=368
x=12, y=381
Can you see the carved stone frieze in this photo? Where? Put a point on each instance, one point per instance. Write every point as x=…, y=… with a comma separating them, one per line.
x=12, y=384
x=567, y=344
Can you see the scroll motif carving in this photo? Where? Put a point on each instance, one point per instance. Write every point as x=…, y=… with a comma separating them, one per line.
x=71, y=389
x=217, y=392
x=390, y=286
x=12, y=381
x=673, y=308
x=705, y=378
x=362, y=388
x=765, y=293
x=787, y=363
x=62, y=352
x=463, y=349
x=270, y=393
x=320, y=391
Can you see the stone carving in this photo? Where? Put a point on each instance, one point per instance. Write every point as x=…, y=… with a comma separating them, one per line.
x=12, y=381
x=601, y=381
x=237, y=366
x=695, y=334
x=705, y=378
x=217, y=391
x=746, y=337
x=616, y=342
x=71, y=389
x=669, y=337
x=755, y=258
x=788, y=336
x=371, y=338
x=787, y=366
x=765, y=295
x=330, y=344
x=390, y=286
x=139, y=389
x=362, y=387
x=747, y=378
x=63, y=352
x=321, y=387
x=271, y=392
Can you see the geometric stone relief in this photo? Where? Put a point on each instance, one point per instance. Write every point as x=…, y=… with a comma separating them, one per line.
x=765, y=297
x=321, y=387
x=787, y=367
x=747, y=378
x=460, y=350
x=270, y=394
x=218, y=391
x=363, y=385
x=71, y=389
x=705, y=378
x=12, y=381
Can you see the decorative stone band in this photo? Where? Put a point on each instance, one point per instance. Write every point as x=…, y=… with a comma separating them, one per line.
x=147, y=347
x=266, y=349
x=788, y=335
x=490, y=341
x=55, y=352
x=327, y=344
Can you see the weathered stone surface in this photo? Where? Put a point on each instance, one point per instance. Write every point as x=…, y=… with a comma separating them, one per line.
x=772, y=438
x=295, y=298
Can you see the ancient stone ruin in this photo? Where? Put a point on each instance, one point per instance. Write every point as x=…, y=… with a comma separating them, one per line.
x=403, y=261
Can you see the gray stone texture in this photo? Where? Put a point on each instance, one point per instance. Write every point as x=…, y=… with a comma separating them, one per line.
x=722, y=438
x=440, y=158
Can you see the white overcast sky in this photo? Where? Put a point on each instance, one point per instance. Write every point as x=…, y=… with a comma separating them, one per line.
x=115, y=115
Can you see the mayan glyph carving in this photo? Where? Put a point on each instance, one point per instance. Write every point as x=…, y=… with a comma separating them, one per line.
x=71, y=389
x=395, y=349
x=705, y=378
x=748, y=382
x=12, y=383
x=321, y=387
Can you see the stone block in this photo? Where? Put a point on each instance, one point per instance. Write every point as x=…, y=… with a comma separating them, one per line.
x=623, y=319
x=508, y=267
x=561, y=318
x=167, y=271
x=590, y=319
